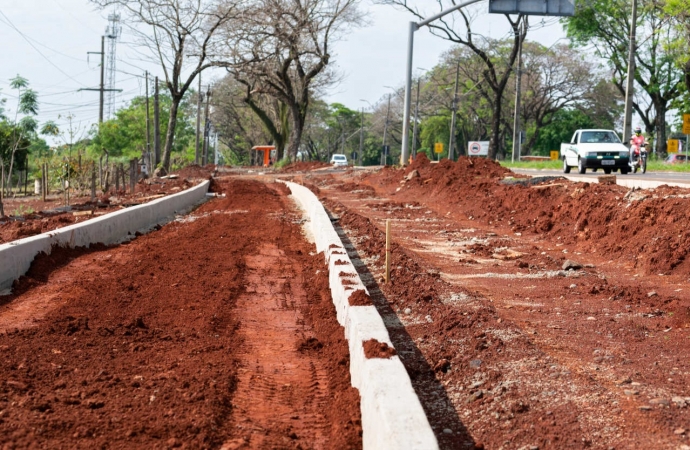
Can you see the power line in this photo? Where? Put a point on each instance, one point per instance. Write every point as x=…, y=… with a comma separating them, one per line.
x=74, y=17
x=37, y=50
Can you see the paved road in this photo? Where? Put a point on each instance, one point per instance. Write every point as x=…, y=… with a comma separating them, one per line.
x=648, y=179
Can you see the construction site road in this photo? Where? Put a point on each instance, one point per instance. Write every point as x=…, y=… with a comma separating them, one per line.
x=216, y=331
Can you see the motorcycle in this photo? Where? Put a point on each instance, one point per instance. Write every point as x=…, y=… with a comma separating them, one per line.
x=638, y=158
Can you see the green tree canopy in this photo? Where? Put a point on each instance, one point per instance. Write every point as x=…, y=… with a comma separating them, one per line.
x=125, y=135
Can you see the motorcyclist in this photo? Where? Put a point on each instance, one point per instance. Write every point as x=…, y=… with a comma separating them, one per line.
x=636, y=143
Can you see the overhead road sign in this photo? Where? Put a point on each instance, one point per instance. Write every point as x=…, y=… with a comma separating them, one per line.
x=533, y=7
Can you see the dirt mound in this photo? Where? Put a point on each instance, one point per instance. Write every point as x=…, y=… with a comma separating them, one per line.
x=650, y=228
x=304, y=166
x=197, y=171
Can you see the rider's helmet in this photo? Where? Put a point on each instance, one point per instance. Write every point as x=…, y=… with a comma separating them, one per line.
x=638, y=131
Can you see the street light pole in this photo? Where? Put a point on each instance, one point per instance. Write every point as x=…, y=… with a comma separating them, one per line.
x=416, y=119
x=361, y=137
x=451, y=140
x=516, y=118
x=629, y=90
x=414, y=26
x=384, y=156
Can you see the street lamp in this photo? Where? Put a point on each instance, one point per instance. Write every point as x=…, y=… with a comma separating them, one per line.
x=414, y=26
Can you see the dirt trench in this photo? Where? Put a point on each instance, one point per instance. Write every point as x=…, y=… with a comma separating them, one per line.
x=217, y=331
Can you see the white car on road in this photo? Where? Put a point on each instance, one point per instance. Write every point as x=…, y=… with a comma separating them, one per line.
x=339, y=160
x=595, y=149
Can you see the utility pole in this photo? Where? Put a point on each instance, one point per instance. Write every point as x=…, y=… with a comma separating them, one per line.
x=156, y=127
x=147, y=152
x=207, y=125
x=198, y=122
x=215, y=148
x=361, y=137
x=416, y=119
x=102, y=90
x=629, y=89
x=518, y=85
x=384, y=154
x=451, y=140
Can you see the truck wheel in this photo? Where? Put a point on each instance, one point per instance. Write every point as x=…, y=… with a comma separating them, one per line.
x=607, y=171
x=581, y=166
x=625, y=170
x=566, y=167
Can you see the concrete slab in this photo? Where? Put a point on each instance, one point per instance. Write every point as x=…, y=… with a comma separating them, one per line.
x=16, y=256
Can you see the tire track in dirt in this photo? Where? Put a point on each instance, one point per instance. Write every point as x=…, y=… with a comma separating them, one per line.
x=281, y=393
x=142, y=349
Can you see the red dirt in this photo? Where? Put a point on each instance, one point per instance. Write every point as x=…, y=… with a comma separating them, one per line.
x=304, y=166
x=29, y=216
x=376, y=349
x=504, y=348
x=188, y=337
x=359, y=298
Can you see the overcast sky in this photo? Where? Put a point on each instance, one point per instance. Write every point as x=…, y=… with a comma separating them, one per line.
x=46, y=41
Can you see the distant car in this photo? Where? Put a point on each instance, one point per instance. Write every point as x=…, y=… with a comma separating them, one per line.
x=675, y=158
x=339, y=160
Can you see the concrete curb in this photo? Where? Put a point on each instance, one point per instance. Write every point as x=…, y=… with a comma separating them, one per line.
x=621, y=180
x=16, y=256
x=630, y=183
x=392, y=415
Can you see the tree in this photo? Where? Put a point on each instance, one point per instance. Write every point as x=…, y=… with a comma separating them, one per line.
x=239, y=128
x=553, y=79
x=497, y=64
x=606, y=25
x=181, y=35
x=678, y=12
x=125, y=134
x=281, y=48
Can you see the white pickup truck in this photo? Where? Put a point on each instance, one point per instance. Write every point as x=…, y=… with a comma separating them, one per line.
x=595, y=149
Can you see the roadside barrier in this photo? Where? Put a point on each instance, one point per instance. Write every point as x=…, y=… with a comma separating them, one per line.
x=392, y=415
x=16, y=256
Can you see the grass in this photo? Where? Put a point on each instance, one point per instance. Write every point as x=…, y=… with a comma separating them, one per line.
x=652, y=166
x=22, y=210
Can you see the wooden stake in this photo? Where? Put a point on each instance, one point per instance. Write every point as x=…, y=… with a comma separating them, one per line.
x=93, y=182
x=44, y=177
x=388, y=250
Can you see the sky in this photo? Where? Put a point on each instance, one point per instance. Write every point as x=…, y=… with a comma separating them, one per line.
x=46, y=42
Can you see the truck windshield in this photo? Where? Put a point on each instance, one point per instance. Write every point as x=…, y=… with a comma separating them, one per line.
x=599, y=137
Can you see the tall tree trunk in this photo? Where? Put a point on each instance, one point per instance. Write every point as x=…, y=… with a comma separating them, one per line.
x=296, y=131
x=170, y=135
x=495, y=137
x=660, y=124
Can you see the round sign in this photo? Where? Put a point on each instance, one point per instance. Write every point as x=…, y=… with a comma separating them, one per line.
x=475, y=148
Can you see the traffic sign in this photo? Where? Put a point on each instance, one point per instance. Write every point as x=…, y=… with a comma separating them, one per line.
x=672, y=146
x=686, y=123
x=438, y=147
x=555, y=154
x=478, y=148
